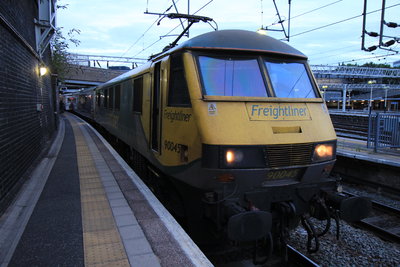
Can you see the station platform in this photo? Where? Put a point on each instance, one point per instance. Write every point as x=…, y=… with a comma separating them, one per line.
x=84, y=206
x=357, y=149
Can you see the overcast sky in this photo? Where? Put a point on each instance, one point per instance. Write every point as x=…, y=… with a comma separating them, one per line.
x=120, y=27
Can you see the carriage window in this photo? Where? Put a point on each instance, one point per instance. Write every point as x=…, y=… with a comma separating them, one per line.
x=178, y=94
x=290, y=79
x=137, y=95
x=117, y=97
x=111, y=98
x=106, y=98
x=231, y=77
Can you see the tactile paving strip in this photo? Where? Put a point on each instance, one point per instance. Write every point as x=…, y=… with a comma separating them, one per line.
x=102, y=242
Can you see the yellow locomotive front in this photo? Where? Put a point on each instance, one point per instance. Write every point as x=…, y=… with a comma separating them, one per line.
x=263, y=112
x=252, y=113
x=252, y=137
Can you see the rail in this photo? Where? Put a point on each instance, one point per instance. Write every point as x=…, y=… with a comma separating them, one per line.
x=298, y=259
x=350, y=126
x=384, y=222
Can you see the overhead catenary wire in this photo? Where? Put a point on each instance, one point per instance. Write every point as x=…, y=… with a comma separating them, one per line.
x=302, y=14
x=262, y=14
x=307, y=12
x=362, y=57
x=144, y=49
x=352, y=60
x=315, y=9
x=378, y=56
x=140, y=37
x=352, y=50
x=341, y=21
x=328, y=51
x=312, y=58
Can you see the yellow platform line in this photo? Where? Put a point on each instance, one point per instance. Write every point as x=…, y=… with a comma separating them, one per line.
x=101, y=240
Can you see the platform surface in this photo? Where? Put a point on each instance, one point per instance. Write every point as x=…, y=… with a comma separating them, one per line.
x=84, y=206
x=358, y=149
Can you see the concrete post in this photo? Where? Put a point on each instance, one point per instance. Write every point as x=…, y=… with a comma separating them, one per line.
x=344, y=98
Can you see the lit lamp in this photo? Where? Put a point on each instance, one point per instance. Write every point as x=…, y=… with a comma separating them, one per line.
x=262, y=31
x=324, y=87
x=42, y=70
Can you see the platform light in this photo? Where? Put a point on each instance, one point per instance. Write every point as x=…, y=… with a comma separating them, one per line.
x=42, y=70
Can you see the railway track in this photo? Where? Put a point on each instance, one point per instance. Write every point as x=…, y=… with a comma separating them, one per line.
x=298, y=259
x=351, y=126
x=375, y=186
x=384, y=221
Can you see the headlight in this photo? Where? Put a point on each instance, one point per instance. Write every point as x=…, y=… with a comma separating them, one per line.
x=242, y=157
x=324, y=152
x=233, y=156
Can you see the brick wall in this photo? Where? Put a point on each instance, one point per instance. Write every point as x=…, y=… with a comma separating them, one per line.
x=24, y=131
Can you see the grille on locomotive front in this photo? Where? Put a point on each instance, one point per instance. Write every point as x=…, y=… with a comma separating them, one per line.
x=288, y=155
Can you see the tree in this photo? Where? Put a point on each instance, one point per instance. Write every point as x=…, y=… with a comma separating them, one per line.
x=59, y=48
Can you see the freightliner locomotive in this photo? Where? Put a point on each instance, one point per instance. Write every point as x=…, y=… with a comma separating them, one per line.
x=232, y=124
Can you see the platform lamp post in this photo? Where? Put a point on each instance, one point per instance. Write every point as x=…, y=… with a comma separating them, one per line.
x=370, y=112
x=371, y=82
x=344, y=98
x=386, y=89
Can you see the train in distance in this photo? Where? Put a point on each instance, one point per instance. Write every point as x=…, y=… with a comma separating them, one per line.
x=232, y=125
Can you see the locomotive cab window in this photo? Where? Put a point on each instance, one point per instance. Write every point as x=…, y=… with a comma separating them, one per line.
x=231, y=76
x=178, y=94
x=290, y=79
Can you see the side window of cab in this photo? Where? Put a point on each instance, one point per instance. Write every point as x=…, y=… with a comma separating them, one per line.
x=178, y=94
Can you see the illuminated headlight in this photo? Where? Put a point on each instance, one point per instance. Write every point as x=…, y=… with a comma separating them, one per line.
x=241, y=157
x=233, y=156
x=324, y=152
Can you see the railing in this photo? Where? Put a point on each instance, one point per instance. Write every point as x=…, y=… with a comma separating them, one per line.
x=353, y=71
x=384, y=132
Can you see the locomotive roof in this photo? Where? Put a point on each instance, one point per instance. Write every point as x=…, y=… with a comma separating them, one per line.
x=240, y=40
x=233, y=40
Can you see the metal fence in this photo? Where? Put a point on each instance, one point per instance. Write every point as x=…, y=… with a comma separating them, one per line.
x=384, y=132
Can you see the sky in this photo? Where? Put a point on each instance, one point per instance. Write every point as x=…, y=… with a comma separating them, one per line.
x=328, y=32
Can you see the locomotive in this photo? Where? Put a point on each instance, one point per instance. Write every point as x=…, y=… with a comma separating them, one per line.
x=234, y=124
